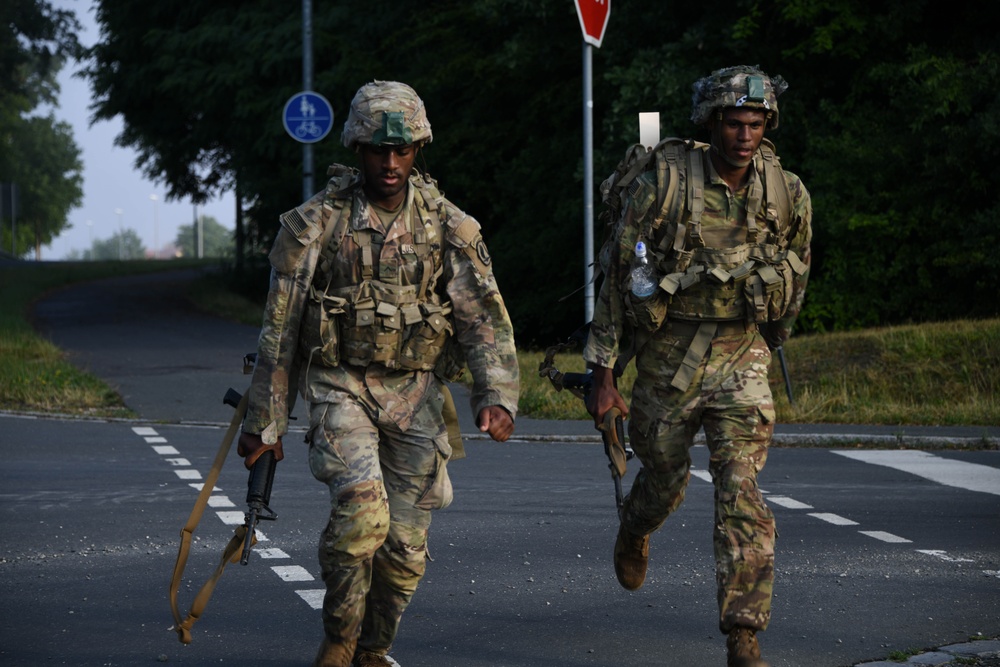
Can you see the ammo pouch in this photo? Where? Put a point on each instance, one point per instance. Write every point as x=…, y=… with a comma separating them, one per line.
x=386, y=324
x=647, y=313
x=320, y=334
x=768, y=289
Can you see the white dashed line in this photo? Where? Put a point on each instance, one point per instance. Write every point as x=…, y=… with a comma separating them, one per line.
x=144, y=430
x=788, y=503
x=155, y=439
x=943, y=555
x=271, y=553
x=313, y=597
x=702, y=474
x=835, y=519
x=293, y=573
x=165, y=450
x=220, y=501
x=188, y=474
x=198, y=486
x=885, y=537
x=180, y=463
x=231, y=518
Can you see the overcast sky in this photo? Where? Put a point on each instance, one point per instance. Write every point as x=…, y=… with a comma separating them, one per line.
x=111, y=181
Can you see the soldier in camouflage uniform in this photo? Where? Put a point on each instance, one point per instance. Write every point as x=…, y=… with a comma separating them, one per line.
x=729, y=234
x=381, y=290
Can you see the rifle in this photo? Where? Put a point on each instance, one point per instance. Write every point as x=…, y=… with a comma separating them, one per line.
x=784, y=372
x=258, y=497
x=258, y=489
x=612, y=427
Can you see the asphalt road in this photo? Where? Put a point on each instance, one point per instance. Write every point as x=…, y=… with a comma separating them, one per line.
x=877, y=551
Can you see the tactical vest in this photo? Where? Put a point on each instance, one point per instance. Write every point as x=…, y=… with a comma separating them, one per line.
x=399, y=326
x=751, y=281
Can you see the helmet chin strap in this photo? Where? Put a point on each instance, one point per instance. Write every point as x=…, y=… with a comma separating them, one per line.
x=739, y=164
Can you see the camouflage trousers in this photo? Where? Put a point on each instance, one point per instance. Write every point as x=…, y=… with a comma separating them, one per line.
x=729, y=397
x=383, y=485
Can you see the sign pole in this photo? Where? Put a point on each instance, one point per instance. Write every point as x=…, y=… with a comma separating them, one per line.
x=588, y=181
x=593, y=15
x=307, y=76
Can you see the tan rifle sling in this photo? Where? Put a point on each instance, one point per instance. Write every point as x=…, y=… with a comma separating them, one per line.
x=232, y=550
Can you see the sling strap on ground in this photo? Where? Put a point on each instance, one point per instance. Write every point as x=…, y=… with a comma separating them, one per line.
x=232, y=550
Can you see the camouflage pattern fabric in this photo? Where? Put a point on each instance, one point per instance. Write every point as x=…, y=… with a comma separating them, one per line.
x=386, y=112
x=377, y=437
x=728, y=396
x=383, y=483
x=728, y=87
x=723, y=225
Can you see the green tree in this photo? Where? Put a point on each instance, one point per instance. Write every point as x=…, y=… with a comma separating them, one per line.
x=217, y=241
x=37, y=153
x=890, y=120
x=123, y=245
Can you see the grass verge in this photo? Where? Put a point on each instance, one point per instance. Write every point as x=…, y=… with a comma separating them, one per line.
x=34, y=374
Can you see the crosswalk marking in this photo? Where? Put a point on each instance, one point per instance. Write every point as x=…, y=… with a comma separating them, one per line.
x=959, y=474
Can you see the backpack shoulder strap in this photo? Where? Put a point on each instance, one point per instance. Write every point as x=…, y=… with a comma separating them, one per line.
x=779, y=198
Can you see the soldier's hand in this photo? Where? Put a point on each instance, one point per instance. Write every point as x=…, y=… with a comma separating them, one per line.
x=604, y=396
x=496, y=421
x=250, y=446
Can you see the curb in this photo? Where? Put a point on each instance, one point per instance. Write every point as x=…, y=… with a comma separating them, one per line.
x=945, y=655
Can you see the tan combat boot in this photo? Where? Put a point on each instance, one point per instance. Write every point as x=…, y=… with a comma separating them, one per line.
x=631, y=558
x=334, y=654
x=742, y=649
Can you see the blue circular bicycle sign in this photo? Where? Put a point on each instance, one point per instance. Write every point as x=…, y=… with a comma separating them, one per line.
x=308, y=117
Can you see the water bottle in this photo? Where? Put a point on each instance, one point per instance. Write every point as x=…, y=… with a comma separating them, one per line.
x=643, y=282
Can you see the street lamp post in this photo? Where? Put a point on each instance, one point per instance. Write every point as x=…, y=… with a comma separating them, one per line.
x=156, y=225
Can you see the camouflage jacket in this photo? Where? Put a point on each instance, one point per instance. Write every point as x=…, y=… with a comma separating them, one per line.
x=723, y=225
x=478, y=317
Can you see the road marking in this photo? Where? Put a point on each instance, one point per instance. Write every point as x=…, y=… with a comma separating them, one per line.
x=271, y=553
x=885, y=537
x=313, y=597
x=231, y=518
x=959, y=474
x=943, y=555
x=788, y=503
x=703, y=474
x=198, y=486
x=833, y=518
x=293, y=573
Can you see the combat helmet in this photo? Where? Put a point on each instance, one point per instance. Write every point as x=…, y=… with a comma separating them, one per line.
x=386, y=112
x=742, y=86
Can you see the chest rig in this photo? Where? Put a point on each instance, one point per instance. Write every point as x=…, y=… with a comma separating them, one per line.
x=750, y=280
x=367, y=306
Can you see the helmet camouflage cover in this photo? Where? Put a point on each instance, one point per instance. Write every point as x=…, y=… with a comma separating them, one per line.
x=386, y=112
x=742, y=86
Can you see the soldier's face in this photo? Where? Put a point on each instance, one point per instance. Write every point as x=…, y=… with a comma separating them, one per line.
x=739, y=132
x=386, y=170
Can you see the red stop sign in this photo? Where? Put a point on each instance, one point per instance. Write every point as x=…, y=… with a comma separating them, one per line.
x=593, y=16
